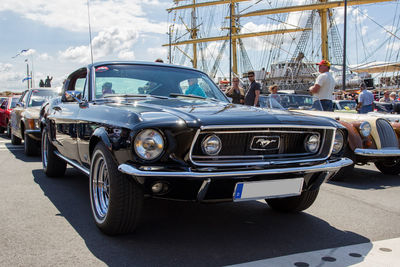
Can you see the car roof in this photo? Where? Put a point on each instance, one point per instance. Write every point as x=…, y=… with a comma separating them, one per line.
x=159, y=64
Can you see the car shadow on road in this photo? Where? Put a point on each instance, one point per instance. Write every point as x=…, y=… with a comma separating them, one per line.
x=192, y=234
x=18, y=152
x=366, y=179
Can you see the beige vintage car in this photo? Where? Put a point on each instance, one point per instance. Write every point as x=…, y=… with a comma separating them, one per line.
x=371, y=139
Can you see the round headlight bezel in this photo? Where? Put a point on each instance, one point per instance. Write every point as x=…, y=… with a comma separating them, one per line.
x=155, y=142
x=210, y=138
x=316, y=142
x=365, y=129
x=335, y=148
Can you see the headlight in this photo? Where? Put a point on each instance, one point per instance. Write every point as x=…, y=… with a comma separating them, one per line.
x=365, y=129
x=338, y=142
x=312, y=143
x=211, y=145
x=149, y=144
x=33, y=124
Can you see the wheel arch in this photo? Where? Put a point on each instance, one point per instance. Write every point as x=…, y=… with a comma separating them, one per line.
x=100, y=135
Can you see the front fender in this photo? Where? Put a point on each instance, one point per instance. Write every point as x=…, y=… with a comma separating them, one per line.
x=100, y=135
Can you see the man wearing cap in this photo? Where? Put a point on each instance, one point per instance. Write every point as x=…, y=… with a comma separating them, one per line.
x=365, y=100
x=324, y=85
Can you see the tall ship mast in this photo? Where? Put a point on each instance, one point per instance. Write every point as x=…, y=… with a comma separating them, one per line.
x=199, y=33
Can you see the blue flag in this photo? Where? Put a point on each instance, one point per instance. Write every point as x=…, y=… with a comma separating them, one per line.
x=26, y=78
x=22, y=51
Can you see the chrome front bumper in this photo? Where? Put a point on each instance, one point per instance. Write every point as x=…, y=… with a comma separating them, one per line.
x=390, y=152
x=327, y=166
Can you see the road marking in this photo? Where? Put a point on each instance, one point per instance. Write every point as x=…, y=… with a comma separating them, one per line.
x=380, y=253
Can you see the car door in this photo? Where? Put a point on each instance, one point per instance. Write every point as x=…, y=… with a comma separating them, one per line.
x=3, y=109
x=64, y=118
x=17, y=113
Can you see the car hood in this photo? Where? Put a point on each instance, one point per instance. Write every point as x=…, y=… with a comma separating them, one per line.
x=196, y=113
x=32, y=112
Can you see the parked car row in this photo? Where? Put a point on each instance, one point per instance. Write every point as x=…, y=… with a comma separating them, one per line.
x=153, y=130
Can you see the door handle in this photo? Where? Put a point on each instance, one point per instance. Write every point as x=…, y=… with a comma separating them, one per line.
x=56, y=108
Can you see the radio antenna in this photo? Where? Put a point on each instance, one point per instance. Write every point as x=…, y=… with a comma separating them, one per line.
x=90, y=32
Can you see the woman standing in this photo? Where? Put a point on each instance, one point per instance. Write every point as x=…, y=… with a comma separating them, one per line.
x=236, y=92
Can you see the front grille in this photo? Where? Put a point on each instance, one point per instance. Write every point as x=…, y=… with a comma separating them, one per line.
x=386, y=134
x=238, y=145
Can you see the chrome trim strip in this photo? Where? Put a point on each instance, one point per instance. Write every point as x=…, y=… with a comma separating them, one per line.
x=259, y=163
x=265, y=126
x=390, y=152
x=324, y=167
x=257, y=131
x=73, y=163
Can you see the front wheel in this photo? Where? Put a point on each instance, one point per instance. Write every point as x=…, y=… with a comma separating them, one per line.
x=31, y=147
x=1, y=130
x=15, y=140
x=53, y=166
x=391, y=167
x=294, y=204
x=116, y=199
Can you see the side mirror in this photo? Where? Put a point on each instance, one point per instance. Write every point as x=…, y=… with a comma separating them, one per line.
x=72, y=96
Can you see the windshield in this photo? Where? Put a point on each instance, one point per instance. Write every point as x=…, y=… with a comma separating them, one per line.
x=351, y=104
x=290, y=101
x=38, y=97
x=154, y=80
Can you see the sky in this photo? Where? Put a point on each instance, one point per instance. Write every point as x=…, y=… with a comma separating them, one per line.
x=56, y=35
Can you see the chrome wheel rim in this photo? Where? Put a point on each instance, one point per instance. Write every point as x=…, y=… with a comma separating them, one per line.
x=100, y=187
x=44, y=149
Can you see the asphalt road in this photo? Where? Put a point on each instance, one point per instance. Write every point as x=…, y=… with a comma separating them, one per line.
x=47, y=222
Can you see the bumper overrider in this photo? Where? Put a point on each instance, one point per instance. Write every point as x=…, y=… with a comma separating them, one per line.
x=385, y=152
x=313, y=175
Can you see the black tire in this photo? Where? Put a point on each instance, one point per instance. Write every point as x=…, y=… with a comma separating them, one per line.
x=31, y=147
x=53, y=166
x=116, y=199
x=389, y=167
x=8, y=130
x=15, y=140
x=1, y=130
x=293, y=204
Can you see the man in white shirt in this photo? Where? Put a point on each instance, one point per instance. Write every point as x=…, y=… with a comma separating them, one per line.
x=324, y=85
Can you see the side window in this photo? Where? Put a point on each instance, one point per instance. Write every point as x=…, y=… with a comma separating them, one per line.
x=80, y=84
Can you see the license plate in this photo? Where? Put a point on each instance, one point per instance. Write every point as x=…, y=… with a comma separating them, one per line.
x=268, y=189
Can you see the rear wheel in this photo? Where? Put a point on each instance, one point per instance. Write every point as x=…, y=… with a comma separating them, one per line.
x=389, y=167
x=294, y=204
x=53, y=166
x=116, y=199
x=8, y=130
x=15, y=140
x=31, y=147
x=1, y=130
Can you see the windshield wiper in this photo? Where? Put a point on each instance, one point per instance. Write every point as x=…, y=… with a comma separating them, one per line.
x=134, y=95
x=188, y=96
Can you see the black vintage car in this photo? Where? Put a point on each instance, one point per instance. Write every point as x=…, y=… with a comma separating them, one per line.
x=156, y=130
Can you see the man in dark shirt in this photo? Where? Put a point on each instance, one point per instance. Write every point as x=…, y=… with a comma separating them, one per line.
x=252, y=95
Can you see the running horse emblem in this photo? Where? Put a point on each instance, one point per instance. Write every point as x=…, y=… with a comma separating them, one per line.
x=265, y=142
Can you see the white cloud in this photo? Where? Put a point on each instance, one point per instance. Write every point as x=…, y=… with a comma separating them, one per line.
x=44, y=57
x=157, y=52
x=9, y=78
x=72, y=15
x=107, y=44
